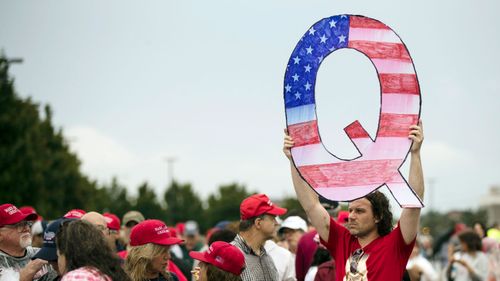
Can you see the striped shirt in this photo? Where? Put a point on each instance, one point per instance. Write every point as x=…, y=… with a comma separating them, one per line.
x=258, y=267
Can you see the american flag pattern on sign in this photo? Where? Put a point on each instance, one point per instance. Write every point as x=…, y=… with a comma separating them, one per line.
x=381, y=158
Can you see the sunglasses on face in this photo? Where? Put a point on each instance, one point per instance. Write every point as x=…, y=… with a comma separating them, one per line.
x=20, y=226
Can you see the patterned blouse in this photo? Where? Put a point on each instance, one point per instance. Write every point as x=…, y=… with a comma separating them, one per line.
x=85, y=273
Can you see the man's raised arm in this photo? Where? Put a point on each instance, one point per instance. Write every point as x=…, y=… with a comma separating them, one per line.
x=410, y=217
x=319, y=217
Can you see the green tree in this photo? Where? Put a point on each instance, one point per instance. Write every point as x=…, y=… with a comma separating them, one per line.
x=36, y=166
x=147, y=203
x=183, y=204
x=470, y=217
x=293, y=207
x=115, y=199
x=224, y=204
x=437, y=222
x=440, y=223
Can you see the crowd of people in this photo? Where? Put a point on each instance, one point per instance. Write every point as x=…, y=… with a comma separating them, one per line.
x=360, y=243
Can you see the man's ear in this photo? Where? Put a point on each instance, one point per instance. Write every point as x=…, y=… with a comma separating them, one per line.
x=257, y=222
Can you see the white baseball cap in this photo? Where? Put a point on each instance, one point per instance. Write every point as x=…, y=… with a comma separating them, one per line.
x=294, y=222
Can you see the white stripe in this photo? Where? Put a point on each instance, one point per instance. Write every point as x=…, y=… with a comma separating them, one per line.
x=400, y=103
x=313, y=154
x=301, y=114
x=383, y=148
x=347, y=193
x=373, y=34
x=393, y=66
x=362, y=143
x=404, y=196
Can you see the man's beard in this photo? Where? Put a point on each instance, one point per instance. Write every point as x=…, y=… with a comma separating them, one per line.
x=25, y=240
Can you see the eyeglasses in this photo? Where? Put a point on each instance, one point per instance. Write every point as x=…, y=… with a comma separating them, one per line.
x=20, y=226
x=356, y=256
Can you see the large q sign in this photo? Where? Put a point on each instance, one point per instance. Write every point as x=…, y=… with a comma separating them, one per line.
x=381, y=158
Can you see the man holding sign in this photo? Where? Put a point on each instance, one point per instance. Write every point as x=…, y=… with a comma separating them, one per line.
x=368, y=248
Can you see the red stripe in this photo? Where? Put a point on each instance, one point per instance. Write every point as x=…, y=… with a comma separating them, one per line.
x=399, y=84
x=352, y=173
x=356, y=131
x=304, y=133
x=396, y=125
x=363, y=22
x=381, y=50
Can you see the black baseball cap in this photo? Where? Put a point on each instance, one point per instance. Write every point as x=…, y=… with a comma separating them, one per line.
x=49, y=250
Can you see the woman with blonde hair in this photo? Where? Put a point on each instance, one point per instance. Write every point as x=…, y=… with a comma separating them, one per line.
x=149, y=252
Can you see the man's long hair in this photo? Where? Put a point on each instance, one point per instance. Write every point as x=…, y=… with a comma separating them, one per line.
x=381, y=211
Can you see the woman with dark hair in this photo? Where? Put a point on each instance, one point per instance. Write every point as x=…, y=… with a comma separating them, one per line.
x=221, y=262
x=470, y=263
x=149, y=253
x=84, y=254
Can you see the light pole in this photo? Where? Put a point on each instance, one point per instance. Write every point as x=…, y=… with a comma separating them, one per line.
x=14, y=60
x=170, y=168
x=5, y=63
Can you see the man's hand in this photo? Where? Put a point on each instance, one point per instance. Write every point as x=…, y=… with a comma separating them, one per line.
x=287, y=145
x=417, y=136
x=29, y=271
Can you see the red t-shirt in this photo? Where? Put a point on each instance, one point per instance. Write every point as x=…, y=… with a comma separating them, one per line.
x=384, y=258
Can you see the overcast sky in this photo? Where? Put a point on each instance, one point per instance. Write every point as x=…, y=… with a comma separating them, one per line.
x=132, y=83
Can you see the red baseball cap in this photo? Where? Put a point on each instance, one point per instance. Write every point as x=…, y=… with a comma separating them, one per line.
x=10, y=214
x=343, y=217
x=257, y=205
x=222, y=255
x=152, y=231
x=112, y=221
x=30, y=210
x=180, y=228
x=173, y=231
x=75, y=214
